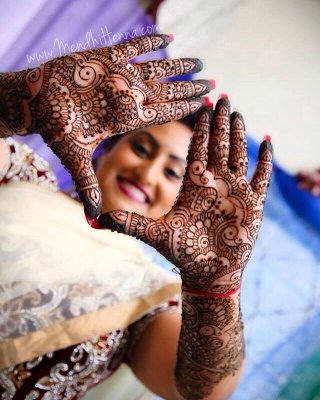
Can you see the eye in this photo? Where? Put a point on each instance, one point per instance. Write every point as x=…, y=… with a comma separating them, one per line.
x=140, y=149
x=172, y=174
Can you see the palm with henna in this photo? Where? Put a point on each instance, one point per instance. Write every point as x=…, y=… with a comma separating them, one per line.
x=77, y=100
x=212, y=227
x=209, y=235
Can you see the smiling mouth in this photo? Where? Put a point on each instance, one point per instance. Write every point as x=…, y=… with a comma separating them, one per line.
x=132, y=190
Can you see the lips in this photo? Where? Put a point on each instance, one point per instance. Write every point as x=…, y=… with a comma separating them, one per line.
x=132, y=190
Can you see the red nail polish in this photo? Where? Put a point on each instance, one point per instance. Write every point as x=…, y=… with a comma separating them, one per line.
x=212, y=83
x=207, y=101
x=223, y=96
x=93, y=222
x=267, y=138
x=171, y=37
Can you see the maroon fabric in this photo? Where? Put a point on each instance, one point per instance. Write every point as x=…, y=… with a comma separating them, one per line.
x=309, y=181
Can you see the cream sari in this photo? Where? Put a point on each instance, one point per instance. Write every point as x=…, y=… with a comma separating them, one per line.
x=62, y=282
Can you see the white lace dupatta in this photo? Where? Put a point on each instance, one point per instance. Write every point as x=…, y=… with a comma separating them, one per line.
x=62, y=282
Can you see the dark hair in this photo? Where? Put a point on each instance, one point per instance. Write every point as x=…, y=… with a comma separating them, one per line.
x=190, y=120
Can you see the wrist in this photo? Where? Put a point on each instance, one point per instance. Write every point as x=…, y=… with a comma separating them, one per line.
x=219, y=292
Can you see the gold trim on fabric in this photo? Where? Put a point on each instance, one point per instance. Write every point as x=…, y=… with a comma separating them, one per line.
x=75, y=330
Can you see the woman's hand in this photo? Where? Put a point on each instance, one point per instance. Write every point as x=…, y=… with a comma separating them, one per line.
x=211, y=230
x=76, y=100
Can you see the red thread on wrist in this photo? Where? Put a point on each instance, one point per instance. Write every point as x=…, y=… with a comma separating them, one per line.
x=210, y=294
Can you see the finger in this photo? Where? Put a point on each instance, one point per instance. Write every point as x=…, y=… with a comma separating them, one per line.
x=77, y=160
x=158, y=69
x=196, y=170
x=261, y=177
x=161, y=113
x=89, y=191
x=178, y=90
x=198, y=149
x=238, y=155
x=143, y=44
x=219, y=137
x=131, y=224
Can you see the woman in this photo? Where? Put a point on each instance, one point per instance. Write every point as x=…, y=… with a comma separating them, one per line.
x=142, y=173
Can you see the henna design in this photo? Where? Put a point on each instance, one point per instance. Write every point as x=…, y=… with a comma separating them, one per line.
x=220, y=139
x=77, y=100
x=211, y=345
x=159, y=69
x=177, y=90
x=209, y=235
x=238, y=159
x=210, y=232
x=12, y=93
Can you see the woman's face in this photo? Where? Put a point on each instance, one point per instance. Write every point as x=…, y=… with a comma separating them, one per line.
x=143, y=171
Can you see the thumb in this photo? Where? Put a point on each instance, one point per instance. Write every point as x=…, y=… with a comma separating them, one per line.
x=131, y=224
x=77, y=161
x=88, y=188
x=89, y=192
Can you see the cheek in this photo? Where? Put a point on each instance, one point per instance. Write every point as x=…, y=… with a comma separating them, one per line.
x=112, y=162
x=169, y=194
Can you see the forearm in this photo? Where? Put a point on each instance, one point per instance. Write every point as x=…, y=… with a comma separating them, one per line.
x=211, y=347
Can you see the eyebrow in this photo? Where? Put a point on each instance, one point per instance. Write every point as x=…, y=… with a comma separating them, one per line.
x=156, y=145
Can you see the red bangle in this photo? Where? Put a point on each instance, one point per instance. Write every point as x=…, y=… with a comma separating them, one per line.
x=210, y=294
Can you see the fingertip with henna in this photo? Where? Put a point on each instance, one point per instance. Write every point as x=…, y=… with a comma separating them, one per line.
x=166, y=40
x=223, y=101
x=266, y=145
x=195, y=65
x=203, y=62
x=93, y=222
x=91, y=210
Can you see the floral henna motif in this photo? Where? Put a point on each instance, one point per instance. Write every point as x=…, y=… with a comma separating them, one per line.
x=211, y=345
x=77, y=100
x=210, y=232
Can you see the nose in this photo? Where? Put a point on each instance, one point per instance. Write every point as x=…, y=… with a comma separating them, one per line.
x=149, y=172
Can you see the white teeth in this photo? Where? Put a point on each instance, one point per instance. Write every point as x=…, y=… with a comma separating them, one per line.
x=135, y=192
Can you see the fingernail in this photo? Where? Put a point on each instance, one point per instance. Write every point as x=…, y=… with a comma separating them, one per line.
x=212, y=84
x=267, y=138
x=171, y=37
x=222, y=96
x=93, y=222
x=207, y=101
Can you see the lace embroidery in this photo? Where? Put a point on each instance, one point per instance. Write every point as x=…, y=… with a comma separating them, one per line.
x=67, y=374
